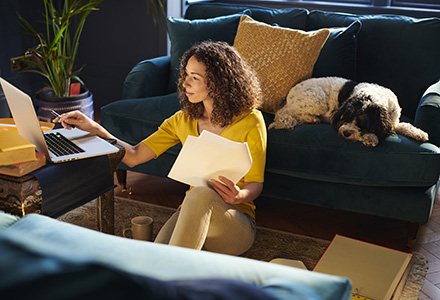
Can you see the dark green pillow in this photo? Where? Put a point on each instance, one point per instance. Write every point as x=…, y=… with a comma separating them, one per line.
x=338, y=56
x=185, y=33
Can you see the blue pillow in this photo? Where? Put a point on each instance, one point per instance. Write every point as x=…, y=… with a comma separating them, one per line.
x=185, y=33
x=338, y=55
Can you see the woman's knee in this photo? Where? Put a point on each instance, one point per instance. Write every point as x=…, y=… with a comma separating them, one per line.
x=201, y=195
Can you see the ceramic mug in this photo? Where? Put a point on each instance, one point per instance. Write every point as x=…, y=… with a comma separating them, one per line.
x=141, y=228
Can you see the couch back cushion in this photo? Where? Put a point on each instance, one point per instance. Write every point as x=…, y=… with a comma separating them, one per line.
x=338, y=56
x=186, y=33
x=398, y=52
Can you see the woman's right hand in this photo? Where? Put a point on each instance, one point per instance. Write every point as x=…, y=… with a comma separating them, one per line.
x=80, y=121
x=134, y=155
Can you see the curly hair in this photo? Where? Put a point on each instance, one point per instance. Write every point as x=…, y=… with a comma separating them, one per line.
x=230, y=80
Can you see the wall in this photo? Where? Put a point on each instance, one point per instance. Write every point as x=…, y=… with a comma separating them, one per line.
x=13, y=44
x=114, y=39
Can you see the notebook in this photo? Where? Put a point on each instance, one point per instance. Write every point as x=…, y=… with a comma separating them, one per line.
x=85, y=145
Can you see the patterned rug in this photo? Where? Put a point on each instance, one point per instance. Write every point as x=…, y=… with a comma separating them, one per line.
x=269, y=244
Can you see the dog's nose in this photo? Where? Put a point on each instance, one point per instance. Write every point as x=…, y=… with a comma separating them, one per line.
x=346, y=133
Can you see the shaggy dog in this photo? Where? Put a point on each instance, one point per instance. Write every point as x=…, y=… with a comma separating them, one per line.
x=363, y=112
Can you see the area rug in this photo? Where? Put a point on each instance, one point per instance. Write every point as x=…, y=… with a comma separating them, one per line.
x=269, y=243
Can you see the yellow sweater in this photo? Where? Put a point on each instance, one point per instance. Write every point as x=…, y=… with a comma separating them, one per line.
x=249, y=128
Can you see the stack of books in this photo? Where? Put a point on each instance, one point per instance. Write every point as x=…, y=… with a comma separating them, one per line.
x=17, y=155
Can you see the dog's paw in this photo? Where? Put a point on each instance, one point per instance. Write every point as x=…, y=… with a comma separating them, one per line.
x=283, y=122
x=369, y=140
x=420, y=135
x=409, y=130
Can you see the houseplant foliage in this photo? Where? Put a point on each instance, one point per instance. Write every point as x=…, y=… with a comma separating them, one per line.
x=54, y=55
x=154, y=6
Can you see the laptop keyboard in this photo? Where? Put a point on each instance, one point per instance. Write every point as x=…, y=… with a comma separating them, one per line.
x=60, y=145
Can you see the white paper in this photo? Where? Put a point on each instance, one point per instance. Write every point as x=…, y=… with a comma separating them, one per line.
x=209, y=156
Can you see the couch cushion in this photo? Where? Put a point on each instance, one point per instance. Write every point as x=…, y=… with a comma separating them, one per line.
x=281, y=57
x=338, y=55
x=69, y=279
x=7, y=220
x=315, y=151
x=398, y=52
x=185, y=33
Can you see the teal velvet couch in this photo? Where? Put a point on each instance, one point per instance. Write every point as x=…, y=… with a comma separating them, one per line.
x=311, y=164
x=43, y=258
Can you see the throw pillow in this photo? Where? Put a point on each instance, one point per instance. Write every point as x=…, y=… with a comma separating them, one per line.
x=338, y=55
x=281, y=57
x=185, y=33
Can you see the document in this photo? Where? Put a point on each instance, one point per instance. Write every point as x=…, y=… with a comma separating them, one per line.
x=209, y=156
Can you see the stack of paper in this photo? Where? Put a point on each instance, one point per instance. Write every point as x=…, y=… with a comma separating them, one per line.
x=209, y=156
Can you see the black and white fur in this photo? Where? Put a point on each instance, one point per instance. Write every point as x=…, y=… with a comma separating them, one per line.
x=363, y=112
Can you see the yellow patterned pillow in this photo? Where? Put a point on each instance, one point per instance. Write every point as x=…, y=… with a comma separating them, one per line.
x=281, y=57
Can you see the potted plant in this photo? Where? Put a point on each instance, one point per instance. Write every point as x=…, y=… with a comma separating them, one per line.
x=54, y=57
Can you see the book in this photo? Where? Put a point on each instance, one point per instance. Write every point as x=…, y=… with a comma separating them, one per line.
x=375, y=271
x=23, y=168
x=15, y=149
x=8, y=124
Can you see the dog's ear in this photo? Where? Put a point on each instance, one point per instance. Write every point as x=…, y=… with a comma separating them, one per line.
x=336, y=117
x=346, y=111
x=346, y=91
x=380, y=120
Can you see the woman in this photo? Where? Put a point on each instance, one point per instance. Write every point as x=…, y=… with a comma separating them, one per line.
x=219, y=93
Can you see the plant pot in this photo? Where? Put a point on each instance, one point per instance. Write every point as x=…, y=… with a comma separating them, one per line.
x=46, y=101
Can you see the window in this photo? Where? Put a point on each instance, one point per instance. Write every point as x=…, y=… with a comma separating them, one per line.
x=435, y=4
x=414, y=8
x=348, y=1
x=417, y=3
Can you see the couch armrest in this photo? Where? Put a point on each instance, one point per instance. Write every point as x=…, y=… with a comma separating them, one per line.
x=428, y=113
x=147, y=78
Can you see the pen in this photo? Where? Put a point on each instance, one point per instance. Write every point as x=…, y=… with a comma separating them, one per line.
x=55, y=114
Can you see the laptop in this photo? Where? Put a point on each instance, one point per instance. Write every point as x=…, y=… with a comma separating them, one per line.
x=51, y=142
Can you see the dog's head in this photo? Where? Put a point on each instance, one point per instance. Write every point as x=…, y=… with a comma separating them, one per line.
x=359, y=119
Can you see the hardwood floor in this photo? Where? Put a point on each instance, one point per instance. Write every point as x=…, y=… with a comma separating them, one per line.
x=314, y=221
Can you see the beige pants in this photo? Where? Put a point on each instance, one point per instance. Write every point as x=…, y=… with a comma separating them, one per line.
x=206, y=221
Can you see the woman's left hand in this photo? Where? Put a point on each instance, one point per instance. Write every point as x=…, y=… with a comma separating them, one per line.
x=229, y=191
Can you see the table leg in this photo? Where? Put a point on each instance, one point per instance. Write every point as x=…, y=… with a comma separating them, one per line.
x=106, y=212
x=106, y=202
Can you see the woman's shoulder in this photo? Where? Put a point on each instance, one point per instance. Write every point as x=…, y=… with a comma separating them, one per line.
x=254, y=116
x=179, y=116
